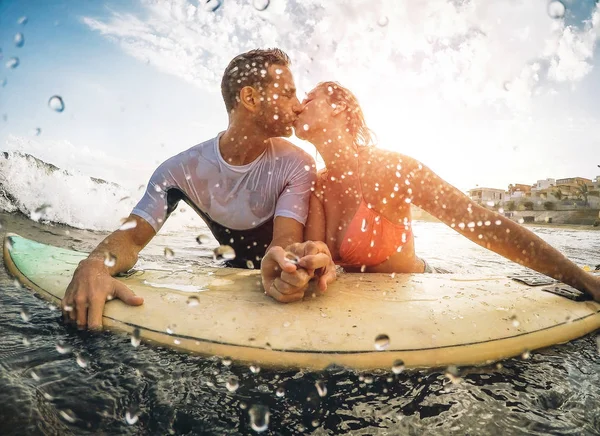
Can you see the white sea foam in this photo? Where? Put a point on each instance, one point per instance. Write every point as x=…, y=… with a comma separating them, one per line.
x=73, y=194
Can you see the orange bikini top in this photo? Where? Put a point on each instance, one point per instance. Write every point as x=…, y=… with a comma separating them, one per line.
x=371, y=239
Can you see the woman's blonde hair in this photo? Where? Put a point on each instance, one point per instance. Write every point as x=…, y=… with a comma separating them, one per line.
x=355, y=120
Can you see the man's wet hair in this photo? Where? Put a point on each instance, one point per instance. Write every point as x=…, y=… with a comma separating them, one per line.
x=249, y=69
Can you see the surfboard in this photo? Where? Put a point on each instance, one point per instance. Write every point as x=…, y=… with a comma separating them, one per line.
x=363, y=321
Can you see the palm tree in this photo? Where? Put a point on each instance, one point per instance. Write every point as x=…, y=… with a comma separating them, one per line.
x=583, y=191
x=558, y=194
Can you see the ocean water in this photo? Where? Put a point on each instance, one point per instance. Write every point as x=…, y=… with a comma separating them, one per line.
x=55, y=379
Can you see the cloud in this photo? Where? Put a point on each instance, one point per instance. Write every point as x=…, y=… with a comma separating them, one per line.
x=467, y=52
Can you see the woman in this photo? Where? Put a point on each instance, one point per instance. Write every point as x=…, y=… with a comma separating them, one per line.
x=361, y=205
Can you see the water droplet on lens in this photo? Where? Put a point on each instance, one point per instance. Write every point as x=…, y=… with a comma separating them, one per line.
x=280, y=392
x=369, y=379
x=226, y=361
x=249, y=264
x=305, y=127
x=224, y=252
x=307, y=167
x=83, y=360
x=291, y=258
x=169, y=254
x=62, y=347
x=321, y=388
x=515, y=321
x=452, y=374
x=132, y=416
x=12, y=63
x=171, y=328
x=135, y=338
x=110, y=259
x=232, y=384
x=25, y=314
x=211, y=5
x=202, y=239
x=382, y=342
x=19, y=40
x=556, y=9
x=56, y=103
x=254, y=369
x=67, y=415
x=260, y=5
x=526, y=354
x=398, y=366
x=383, y=21
x=127, y=225
x=193, y=301
x=259, y=418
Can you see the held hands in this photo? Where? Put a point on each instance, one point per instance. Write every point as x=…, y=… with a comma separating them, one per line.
x=88, y=291
x=286, y=273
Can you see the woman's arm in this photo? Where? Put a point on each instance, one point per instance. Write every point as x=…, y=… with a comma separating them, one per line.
x=315, y=224
x=490, y=229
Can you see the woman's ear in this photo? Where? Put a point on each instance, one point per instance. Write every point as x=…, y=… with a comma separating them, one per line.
x=338, y=108
x=249, y=98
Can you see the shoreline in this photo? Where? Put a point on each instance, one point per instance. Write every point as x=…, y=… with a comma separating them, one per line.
x=562, y=226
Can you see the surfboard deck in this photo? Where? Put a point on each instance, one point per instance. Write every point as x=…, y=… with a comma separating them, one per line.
x=431, y=320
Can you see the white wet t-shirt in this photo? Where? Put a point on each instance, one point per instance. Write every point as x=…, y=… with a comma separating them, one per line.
x=237, y=198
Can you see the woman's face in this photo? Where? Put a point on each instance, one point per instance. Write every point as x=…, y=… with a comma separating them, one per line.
x=316, y=114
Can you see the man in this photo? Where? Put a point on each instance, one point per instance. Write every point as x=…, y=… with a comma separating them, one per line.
x=250, y=186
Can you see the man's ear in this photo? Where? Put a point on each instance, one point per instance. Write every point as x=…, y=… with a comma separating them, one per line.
x=339, y=108
x=249, y=98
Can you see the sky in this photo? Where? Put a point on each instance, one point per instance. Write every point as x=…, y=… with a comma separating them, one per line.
x=485, y=93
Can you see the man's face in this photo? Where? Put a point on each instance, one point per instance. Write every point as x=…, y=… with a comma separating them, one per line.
x=279, y=105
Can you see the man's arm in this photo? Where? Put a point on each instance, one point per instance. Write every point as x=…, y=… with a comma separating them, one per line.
x=492, y=230
x=315, y=224
x=92, y=283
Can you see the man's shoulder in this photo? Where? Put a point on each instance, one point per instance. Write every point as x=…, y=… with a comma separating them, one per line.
x=190, y=153
x=284, y=148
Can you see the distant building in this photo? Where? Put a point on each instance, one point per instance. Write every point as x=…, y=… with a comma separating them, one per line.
x=519, y=190
x=570, y=186
x=488, y=196
x=543, y=184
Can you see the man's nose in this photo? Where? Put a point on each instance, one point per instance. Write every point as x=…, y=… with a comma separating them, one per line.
x=297, y=107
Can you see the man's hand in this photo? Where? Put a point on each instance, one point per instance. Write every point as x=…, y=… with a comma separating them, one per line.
x=88, y=291
x=281, y=279
x=315, y=258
